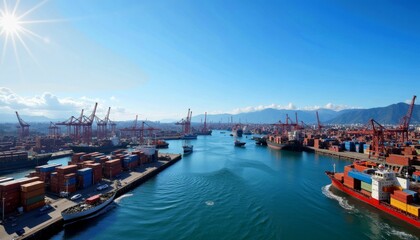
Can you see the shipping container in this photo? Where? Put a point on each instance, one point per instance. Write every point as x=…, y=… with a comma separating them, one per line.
x=366, y=186
x=413, y=209
x=93, y=199
x=398, y=204
x=402, y=196
x=26, y=195
x=360, y=176
x=29, y=187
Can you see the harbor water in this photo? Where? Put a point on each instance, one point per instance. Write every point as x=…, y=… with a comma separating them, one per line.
x=225, y=192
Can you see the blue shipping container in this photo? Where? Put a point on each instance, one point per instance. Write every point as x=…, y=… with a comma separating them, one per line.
x=361, y=176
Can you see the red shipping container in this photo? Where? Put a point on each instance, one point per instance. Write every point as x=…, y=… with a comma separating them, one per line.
x=398, y=160
x=93, y=199
x=403, y=196
x=29, y=187
x=339, y=176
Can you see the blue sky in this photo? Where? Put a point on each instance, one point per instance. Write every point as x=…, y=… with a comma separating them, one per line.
x=159, y=58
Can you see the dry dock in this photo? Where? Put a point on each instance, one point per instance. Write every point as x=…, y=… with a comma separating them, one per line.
x=43, y=225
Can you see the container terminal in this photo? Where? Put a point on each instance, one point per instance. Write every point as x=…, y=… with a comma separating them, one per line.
x=374, y=146
x=25, y=214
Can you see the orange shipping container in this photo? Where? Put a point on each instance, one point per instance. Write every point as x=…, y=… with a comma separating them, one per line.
x=29, y=187
x=27, y=195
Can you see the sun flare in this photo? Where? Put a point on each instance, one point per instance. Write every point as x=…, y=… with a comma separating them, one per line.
x=9, y=24
x=13, y=31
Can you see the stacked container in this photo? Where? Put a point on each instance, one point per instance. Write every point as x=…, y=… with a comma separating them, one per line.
x=130, y=162
x=112, y=168
x=366, y=148
x=96, y=172
x=76, y=157
x=66, y=178
x=33, y=195
x=350, y=146
x=44, y=171
x=84, y=177
x=10, y=191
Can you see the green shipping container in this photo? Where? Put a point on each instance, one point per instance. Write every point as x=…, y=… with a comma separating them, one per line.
x=367, y=186
x=35, y=199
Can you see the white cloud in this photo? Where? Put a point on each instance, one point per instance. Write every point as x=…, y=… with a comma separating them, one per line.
x=52, y=106
x=290, y=106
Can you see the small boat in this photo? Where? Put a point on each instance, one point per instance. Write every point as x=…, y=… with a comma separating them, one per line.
x=239, y=143
x=89, y=207
x=188, y=148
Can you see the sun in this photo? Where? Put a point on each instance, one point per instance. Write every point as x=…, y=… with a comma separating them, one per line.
x=9, y=24
x=14, y=30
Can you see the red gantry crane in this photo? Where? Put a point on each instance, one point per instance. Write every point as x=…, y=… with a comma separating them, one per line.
x=186, y=123
x=102, y=125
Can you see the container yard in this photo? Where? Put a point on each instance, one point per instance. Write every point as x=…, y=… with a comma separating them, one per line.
x=28, y=195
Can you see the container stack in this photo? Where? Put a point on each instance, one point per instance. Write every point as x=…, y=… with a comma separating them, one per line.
x=76, y=157
x=10, y=191
x=69, y=184
x=130, y=162
x=112, y=168
x=44, y=171
x=54, y=183
x=366, y=148
x=33, y=195
x=96, y=171
x=66, y=179
x=350, y=146
x=84, y=178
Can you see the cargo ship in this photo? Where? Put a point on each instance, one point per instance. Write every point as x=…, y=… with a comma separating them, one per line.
x=105, y=146
x=381, y=189
x=13, y=160
x=88, y=208
x=290, y=141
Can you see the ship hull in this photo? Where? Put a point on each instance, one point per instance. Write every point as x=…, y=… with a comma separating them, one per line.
x=373, y=202
x=25, y=163
x=189, y=137
x=275, y=146
x=101, y=149
x=72, y=217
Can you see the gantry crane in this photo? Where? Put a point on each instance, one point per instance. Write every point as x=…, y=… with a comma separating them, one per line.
x=23, y=127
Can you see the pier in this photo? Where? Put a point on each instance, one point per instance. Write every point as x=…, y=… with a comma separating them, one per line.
x=38, y=225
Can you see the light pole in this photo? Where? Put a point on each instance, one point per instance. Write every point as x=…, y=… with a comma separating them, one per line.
x=3, y=209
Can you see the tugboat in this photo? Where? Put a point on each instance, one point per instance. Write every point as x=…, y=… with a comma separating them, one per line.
x=89, y=207
x=239, y=143
x=188, y=149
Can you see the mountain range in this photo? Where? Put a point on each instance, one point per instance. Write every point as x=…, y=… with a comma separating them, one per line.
x=391, y=114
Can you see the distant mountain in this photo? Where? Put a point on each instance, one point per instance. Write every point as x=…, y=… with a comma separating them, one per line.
x=270, y=116
x=391, y=114
x=384, y=115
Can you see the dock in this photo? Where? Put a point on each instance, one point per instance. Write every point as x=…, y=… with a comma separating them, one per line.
x=60, y=154
x=38, y=225
x=345, y=155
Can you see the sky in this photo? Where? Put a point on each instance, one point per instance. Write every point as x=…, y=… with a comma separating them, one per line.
x=159, y=58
